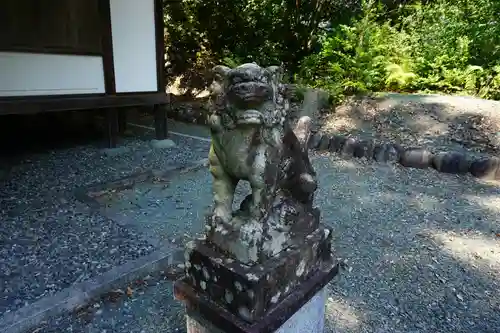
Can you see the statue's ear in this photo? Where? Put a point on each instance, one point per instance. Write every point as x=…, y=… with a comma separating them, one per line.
x=276, y=73
x=220, y=72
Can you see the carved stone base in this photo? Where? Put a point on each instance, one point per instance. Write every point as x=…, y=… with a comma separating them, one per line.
x=310, y=318
x=251, y=291
x=223, y=305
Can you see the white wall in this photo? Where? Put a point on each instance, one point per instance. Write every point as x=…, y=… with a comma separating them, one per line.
x=29, y=74
x=134, y=48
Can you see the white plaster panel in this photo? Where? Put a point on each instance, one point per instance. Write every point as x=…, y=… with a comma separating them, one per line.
x=134, y=46
x=35, y=74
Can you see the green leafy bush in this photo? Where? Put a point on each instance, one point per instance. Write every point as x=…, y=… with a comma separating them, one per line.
x=343, y=46
x=435, y=47
x=269, y=32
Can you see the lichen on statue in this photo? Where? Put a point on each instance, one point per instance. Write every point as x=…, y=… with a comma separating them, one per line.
x=252, y=140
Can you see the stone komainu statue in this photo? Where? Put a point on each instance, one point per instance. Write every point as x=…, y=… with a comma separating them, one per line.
x=273, y=249
x=253, y=140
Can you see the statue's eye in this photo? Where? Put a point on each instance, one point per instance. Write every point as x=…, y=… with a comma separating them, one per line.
x=236, y=79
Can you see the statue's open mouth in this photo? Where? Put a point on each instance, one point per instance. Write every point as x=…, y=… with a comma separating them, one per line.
x=251, y=98
x=250, y=117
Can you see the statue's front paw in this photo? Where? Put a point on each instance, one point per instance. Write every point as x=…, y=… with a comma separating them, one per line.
x=221, y=215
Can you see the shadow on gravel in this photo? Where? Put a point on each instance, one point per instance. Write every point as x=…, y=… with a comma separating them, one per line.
x=49, y=240
x=420, y=253
x=421, y=249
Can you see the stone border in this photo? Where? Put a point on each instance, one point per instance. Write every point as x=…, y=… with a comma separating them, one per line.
x=487, y=168
x=80, y=294
x=89, y=194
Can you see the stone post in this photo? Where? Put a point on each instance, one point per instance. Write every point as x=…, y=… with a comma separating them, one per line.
x=263, y=267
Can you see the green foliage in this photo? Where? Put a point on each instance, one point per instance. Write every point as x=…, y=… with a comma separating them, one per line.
x=269, y=32
x=449, y=46
x=398, y=77
x=344, y=46
x=299, y=93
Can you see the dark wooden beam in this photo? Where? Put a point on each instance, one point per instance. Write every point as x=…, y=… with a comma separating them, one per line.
x=38, y=104
x=160, y=44
x=109, y=70
x=107, y=47
x=160, y=114
x=122, y=120
x=113, y=126
x=51, y=50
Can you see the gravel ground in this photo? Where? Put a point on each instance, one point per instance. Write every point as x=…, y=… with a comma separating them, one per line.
x=167, y=210
x=48, y=240
x=422, y=249
x=149, y=308
x=421, y=254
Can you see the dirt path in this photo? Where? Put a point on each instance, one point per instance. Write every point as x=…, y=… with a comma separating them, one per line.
x=435, y=122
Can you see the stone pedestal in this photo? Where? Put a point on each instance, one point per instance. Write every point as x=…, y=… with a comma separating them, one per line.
x=284, y=293
x=308, y=319
x=264, y=267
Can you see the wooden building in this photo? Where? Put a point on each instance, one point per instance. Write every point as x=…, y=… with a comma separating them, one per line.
x=58, y=55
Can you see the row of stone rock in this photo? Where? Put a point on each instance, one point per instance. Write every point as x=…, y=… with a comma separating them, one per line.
x=446, y=162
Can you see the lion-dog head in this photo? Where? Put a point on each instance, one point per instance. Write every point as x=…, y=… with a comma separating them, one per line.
x=248, y=91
